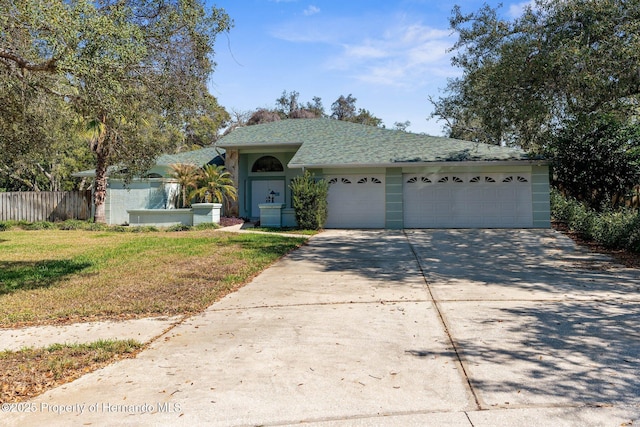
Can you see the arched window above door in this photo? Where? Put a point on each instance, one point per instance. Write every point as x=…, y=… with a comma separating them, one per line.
x=267, y=164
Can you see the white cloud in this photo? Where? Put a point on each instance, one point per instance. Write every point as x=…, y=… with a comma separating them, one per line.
x=516, y=10
x=369, y=49
x=400, y=56
x=311, y=10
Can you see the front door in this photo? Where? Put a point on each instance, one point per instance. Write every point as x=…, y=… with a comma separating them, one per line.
x=261, y=192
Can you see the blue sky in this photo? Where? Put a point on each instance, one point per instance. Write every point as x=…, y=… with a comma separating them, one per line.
x=390, y=55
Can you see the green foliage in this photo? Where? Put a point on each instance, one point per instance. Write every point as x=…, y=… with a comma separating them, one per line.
x=214, y=185
x=207, y=226
x=73, y=224
x=41, y=225
x=524, y=77
x=595, y=159
x=611, y=228
x=202, y=129
x=132, y=75
x=187, y=177
x=179, y=227
x=4, y=226
x=143, y=229
x=95, y=226
x=614, y=229
x=310, y=201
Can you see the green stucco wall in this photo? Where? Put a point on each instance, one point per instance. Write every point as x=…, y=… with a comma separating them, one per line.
x=540, y=196
x=394, y=218
x=139, y=194
x=246, y=177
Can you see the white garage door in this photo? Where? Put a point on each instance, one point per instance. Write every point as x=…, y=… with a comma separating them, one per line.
x=467, y=200
x=356, y=201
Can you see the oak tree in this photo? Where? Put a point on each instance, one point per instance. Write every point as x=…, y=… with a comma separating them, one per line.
x=134, y=71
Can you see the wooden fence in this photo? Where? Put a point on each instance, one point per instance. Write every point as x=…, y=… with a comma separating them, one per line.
x=45, y=205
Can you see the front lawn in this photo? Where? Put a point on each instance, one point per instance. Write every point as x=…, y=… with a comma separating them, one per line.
x=55, y=276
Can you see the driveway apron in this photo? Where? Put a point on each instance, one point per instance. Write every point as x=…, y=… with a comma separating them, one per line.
x=538, y=323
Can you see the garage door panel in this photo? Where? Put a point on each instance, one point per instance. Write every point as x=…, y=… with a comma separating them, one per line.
x=356, y=201
x=467, y=200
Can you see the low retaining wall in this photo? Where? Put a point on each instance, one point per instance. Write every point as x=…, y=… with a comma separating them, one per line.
x=199, y=213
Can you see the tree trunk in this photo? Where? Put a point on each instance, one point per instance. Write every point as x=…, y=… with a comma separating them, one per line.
x=100, y=188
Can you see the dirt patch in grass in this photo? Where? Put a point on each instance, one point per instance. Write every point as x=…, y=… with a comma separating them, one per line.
x=27, y=373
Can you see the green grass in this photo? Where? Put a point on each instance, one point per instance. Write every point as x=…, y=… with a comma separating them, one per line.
x=66, y=275
x=17, y=275
x=287, y=230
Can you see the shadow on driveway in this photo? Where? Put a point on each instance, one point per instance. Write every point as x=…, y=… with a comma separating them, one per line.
x=536, y=319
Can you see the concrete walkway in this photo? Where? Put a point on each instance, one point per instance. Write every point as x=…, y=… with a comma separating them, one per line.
x=142, y=330
x=510, y=328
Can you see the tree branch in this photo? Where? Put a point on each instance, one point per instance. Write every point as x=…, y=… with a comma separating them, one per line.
x=48, y=66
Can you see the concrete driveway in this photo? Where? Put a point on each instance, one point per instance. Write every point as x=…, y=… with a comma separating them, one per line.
x=428, y=327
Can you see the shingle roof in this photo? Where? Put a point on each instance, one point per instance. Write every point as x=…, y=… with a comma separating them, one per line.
x=326, y=142
x=197, y=157
x=204, y=156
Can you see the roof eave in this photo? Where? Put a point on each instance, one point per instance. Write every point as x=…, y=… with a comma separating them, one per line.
x=260, y=145
x=512, y=162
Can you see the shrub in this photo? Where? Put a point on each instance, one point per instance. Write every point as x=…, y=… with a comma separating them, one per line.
x=40, y=225
x=95, y=226
x=310, y=201
x=582, y=220
x=633, y=241
x=73, y=224
x=611, y=228
x=561, y=207
x=207, y=226
x=142, y=229
x=179, y=227
x=4, y=225
x=614, y=229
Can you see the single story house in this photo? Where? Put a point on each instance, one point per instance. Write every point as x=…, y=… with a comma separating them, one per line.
x=382, y=178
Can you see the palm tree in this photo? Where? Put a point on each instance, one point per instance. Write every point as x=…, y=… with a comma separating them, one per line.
x=214, y=185
x=187, y=175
